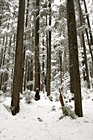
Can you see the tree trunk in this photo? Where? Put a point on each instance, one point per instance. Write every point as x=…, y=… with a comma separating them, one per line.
x=60, y=60
x=24, y=47
x=27, y=12
x=73, y=53
x=49, y=55
x=43, y=67
x=47, y=44
x=17, y=85
x=90, y=49
x=37, y=65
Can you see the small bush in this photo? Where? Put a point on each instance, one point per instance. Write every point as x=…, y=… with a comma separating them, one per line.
x=28, y=97
x=68, y=112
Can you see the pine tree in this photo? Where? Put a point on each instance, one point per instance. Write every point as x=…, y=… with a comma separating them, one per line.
x=37, y=63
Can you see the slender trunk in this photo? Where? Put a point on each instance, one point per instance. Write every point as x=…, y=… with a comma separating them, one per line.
x=31, y=69
x=37, y=65
x=49, y=55
x=86, y=65
x=31, y=74
x=47, y=44
x=43, y=66
x=24, y=47
x=25, y=75
x=27, y=12
x=90, y=52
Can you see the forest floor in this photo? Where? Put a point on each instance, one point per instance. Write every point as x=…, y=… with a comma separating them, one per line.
x=39, y=120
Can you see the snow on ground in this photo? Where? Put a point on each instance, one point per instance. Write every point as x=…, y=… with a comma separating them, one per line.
x=38, y=121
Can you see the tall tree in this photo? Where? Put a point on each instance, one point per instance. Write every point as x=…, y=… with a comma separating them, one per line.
x=43, y=66
x=73, y=53
x=17, y=86
x=49, y=55
x=46, y=79
x=71, y=49
x=37, y=65
x=24, y=47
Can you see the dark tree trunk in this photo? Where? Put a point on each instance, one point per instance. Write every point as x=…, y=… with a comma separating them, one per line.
x=86, y=65
x=31, y=68
x=73, y=53
x=24, y=47
x=90, y=49
x=49, y=55
x=60, y=60
x=31, y=74
x=47, y=44
x=17, y=80
x=43, y=67
x=37, y=65
x=1, y=11
x=27, y=12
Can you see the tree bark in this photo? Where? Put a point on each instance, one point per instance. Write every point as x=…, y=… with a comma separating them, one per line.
x=49, y=55
x=37, y=65
x=17, y=85
x=47, y=44
x=27, y=12
x=73, y=53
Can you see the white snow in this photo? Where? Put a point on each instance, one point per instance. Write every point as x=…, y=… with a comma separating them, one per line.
x=40, y=121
